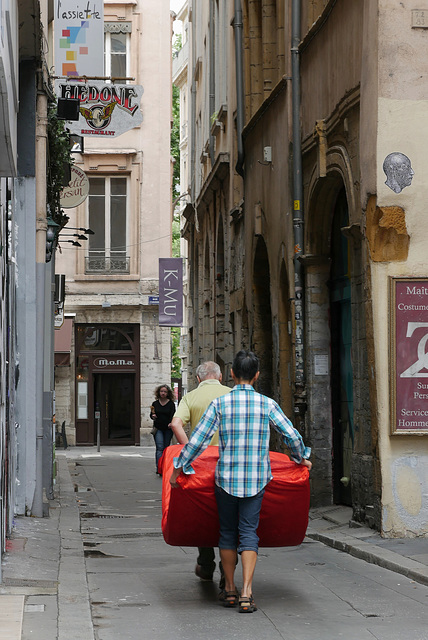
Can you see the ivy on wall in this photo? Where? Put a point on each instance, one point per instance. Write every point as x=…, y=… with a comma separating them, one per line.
x=59, y=161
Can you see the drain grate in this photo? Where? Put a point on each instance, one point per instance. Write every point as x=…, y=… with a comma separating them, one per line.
x=23, y=582
x=94, y=514
x=143, y=534
x=96, y=553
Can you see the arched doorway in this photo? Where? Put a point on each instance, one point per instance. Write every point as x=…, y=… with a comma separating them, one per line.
x=341, y=353
x=262, y=342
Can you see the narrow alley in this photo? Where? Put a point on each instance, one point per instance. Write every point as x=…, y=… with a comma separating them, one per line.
x=99, y=569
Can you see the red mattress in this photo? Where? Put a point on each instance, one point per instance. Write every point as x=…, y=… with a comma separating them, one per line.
x=189, y=513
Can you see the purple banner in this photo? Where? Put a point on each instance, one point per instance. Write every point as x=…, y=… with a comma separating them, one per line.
x=171, y=292
x=410, y=336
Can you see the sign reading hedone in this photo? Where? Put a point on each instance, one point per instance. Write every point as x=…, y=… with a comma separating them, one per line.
x=105, y=109
x=77, y=190
x=171, y=292
x=79, y=38
x=409, y=298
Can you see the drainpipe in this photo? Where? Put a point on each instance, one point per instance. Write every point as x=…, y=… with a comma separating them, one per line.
x=41, y=226
x=193, y=115
x=238, y=28
x=212, y=79
x=298, y=216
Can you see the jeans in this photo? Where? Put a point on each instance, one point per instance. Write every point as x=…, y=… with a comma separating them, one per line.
x=206, y=559
x=162, y=440
x=239, y=519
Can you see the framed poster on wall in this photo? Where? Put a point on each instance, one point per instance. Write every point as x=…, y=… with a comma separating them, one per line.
x=409, y=355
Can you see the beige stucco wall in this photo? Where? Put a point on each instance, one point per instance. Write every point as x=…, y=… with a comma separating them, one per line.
x=402, y=117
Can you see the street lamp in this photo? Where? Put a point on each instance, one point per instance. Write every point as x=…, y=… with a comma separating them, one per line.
x=51, y=237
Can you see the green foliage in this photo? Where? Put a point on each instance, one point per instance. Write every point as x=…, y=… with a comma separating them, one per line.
x=176, y=236
x=175, y=152
x=175, y=139
x=177, y=45
x=175, y=353
x=175, y=130
x=58, y=158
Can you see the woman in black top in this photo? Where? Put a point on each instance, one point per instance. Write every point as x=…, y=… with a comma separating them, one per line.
x=161, y=412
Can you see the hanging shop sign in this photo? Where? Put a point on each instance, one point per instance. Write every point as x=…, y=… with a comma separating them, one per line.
x=79, y=38
x=106, y=110
x=171, y=292
x=77, y=189
x=409, y=355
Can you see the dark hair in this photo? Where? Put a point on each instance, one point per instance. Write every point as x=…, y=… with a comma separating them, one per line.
x=245, y=365
x=170, y=395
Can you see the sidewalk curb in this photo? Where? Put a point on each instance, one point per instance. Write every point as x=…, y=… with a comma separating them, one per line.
x=73, y=592
x=373, y=555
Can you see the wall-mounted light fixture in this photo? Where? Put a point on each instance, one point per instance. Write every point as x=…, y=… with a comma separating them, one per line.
x=51, y=237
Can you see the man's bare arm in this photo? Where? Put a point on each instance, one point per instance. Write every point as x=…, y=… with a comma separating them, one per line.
x=176, y=425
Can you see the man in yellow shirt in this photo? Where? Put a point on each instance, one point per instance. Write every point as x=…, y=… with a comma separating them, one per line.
x=190, y=410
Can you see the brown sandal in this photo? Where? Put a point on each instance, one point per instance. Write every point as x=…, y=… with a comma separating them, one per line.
x=247, y=604
x=230, y=599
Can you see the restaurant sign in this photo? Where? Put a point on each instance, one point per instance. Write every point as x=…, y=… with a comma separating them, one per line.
x=106, y=110
x=109, y=362
x=409, y=355
x=76, y=191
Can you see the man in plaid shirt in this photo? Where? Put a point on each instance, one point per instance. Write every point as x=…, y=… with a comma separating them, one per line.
x=243, y=418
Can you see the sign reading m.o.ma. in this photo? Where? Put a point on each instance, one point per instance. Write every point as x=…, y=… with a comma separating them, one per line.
x=111, y=362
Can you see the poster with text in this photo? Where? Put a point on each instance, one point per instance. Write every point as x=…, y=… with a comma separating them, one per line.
x=79, y=38
x=409, y=355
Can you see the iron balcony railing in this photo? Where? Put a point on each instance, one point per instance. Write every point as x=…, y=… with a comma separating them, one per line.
x=106, y=265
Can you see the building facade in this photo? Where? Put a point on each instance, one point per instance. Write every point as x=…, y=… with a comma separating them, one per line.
x=24, y=363
x=298, y=246
x=116, y=354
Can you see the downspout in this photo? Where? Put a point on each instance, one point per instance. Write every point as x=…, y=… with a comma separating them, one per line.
x=240, y=109
x=212, y=80
x=298, y=217
x=193, y=116
x=41, y=226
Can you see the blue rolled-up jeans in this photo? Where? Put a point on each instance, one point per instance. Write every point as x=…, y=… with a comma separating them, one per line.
x=162, y=441
x=239, y=519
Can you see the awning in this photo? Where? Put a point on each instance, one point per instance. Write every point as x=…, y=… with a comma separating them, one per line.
x=63, y=343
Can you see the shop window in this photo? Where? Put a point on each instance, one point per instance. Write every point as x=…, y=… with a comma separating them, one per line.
x=107, y=217
x=102, y=338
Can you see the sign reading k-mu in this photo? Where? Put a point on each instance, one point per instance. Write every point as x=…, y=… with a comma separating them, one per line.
x=171, y=292
x=79, y=38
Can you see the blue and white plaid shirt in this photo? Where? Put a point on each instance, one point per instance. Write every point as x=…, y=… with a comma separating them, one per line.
x=243, y=417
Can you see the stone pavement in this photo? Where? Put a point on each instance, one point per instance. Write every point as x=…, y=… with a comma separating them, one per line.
x=44, y=568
